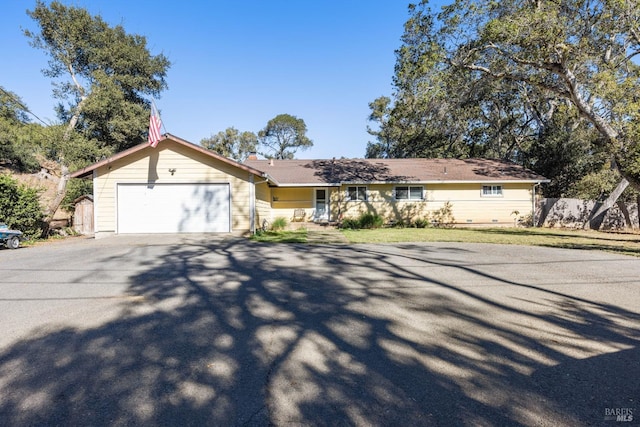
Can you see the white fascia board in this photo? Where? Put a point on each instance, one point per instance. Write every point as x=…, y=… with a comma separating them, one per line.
x=318, y=185
x=269, y=179
x=497, y=181
x=502, y=181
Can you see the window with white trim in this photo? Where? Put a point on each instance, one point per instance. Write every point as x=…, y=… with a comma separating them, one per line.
x=355, y=193
x=409, y=193
x=492, y=190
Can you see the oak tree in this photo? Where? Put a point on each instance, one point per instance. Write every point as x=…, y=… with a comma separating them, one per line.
x=496, y=79
x=102, y=76
x=283, y=136
x=582, y=52
x=232, y=143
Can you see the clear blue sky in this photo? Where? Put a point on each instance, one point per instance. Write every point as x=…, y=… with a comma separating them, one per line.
x=241, y=63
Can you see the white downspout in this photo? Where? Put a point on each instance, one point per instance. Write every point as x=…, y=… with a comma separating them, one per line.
x=252, y=205
x=95, y=203
x=533, y=205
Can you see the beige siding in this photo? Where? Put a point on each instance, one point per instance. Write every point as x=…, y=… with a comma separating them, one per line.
x=263, y=203
x=286, y=200
x=470, y=207
x=154, y=165
x=468, y=204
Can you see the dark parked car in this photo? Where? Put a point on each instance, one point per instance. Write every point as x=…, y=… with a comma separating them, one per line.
x=11, y=238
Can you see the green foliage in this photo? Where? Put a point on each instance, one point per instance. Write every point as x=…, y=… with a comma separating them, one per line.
x=12, y=108
x=421, y=223
x=16, y=151
x=580, y=52
x=232, y=143
x=75, y=151
x=550, y=85
x=566, y=150
x=20, y=207
x=18, y=147
x=279, y=224
x=443, y=217
x=25, y=146
x=112, y=120
x=628, y=161
x=102, y=74
x=283, y=136
x=595, y=185
x=408, y=223
x=621, y=243
x=75, y=188
x=296, y=236
x=401, y=223
x=350, y=223
x=366, y=220
x=369, y=220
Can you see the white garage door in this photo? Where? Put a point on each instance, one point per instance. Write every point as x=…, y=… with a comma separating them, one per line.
x=173, y=208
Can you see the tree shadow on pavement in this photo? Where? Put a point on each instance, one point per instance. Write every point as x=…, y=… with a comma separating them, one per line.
x=237, y=333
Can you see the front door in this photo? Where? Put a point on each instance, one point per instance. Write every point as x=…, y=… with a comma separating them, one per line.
x=322, y=205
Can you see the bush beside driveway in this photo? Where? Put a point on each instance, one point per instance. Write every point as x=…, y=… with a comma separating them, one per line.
x=194, y=331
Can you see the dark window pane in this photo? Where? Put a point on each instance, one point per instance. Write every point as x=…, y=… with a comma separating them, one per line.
x=416, y=192
x=352, y=192
x=402, y=193
x=362, y=193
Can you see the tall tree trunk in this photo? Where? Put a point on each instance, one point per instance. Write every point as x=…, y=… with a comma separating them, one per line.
x=625, y=212
x=600, y=209
x=61, y=190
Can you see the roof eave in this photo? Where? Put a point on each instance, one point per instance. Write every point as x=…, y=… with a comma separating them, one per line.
x=308, y=184
x=451, y=181
x=488, y=181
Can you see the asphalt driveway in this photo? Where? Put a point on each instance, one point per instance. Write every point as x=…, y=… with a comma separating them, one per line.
x=200, y=330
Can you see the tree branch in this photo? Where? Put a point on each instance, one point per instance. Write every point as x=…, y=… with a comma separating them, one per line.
x=572, y=90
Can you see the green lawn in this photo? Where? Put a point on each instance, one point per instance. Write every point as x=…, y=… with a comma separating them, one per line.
x=297, y=236
x=625, y=243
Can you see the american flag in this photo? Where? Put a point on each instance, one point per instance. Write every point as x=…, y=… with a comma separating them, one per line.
x=154, y=126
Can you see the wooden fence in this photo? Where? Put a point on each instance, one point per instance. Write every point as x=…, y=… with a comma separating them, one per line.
x=576, y=213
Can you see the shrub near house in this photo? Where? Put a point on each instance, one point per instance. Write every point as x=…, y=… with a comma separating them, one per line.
x=20, y=207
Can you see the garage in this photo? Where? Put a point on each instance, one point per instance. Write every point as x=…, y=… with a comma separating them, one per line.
x=175, y=187
x=173, y=208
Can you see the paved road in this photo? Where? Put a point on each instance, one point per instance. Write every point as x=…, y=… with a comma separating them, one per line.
x=195, y=330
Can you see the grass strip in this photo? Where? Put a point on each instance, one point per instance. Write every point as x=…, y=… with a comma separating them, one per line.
x=623, y=243
x=297, y=236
